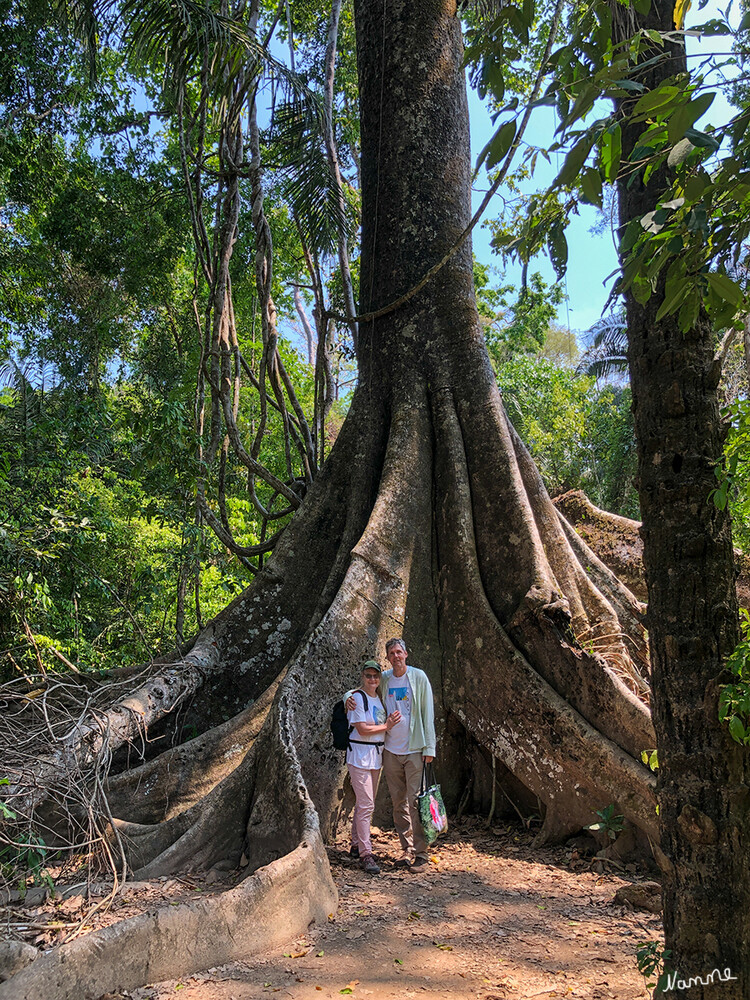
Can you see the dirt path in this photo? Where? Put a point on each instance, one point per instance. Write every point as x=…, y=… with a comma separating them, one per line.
x=489, y=919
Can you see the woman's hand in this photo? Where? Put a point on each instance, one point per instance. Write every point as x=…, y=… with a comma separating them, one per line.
x=393, y=720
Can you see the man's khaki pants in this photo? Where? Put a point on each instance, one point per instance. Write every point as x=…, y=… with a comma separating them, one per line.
x=403, y=773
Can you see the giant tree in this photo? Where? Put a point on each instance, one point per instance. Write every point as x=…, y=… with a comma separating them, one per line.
x=428, y=519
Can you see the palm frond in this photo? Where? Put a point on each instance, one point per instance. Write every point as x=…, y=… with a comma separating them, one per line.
x=604, y=367
x=82, y=18
x=296, y=149
x=607, y=352
x=178, y=36
x=186, y=37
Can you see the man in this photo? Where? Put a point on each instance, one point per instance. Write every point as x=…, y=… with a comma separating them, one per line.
x=406, y=691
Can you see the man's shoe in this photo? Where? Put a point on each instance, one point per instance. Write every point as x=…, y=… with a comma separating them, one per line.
x=403, y=862
x=369, y=865
x=419, y=862
x=354, y=851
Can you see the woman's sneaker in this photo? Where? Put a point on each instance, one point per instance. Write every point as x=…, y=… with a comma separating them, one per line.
x=354, y=851
x=368, y=864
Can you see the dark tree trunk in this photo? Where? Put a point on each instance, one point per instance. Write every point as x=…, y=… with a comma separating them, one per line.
x=692, y=610
x=429, y=520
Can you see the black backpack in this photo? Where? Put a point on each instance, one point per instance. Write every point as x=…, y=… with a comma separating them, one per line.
x=340, y=725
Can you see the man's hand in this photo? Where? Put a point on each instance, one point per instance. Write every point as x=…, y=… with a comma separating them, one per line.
x=427, y=759
x=351, y=703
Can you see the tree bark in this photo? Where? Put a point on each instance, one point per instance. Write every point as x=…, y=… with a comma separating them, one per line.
x=692, y=608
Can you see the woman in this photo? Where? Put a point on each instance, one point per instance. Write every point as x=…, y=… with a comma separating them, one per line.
x=364, y=758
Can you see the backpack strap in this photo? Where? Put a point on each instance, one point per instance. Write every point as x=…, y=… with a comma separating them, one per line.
x=365, y=743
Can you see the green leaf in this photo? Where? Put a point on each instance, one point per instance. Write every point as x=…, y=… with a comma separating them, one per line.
x=583, y=103
x=695, y=186
x=498, y=145
x=714, y=27
x=674, y=296
x=641, y=152
x=501, y=143
x=573, y=162
x=725, y=288
x=661, y=98
x=611, y=153
x=631, y=235
x=689, y=311
x=687, y=115
x=557, y=245
x=642, y=290
x=701, y=139
x=591, y=184
x=737, y=730
x=631, y=85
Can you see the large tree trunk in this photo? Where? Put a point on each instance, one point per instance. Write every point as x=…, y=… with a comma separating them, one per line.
x=428, y=520
x=692, y=608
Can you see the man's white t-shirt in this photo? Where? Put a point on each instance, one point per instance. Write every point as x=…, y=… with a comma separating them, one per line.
x=369, y=757
x=398, y=697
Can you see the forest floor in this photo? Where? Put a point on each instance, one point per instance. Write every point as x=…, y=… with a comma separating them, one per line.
x=490, y=918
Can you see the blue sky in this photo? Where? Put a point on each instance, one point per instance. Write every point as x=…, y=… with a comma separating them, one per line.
x=592, y=258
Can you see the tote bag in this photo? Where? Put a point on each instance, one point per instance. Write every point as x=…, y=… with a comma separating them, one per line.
x=432, y=812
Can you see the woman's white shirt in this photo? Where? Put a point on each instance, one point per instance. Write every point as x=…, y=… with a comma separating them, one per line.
x=359, y=754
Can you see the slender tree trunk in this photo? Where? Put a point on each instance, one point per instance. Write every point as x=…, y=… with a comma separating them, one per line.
x=692, y=609
x=299, y=305
x=333, y=164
